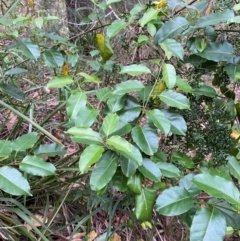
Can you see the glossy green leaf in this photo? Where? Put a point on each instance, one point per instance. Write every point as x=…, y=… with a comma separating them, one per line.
x=53, y=57
x=178, y=124
x=174, y=201
x=89, y=156
x=75, y=102
x=233, y=71
x=151, y=29
x=173, y=48
x=135, y=69
x=25, y=141
x=119, y=143
x=85, y=135
x=185, y=160
x=146, y=139
x=122, y=129
x=150, y=170
x=145, y=92
x=234, y=167
x=13, y=182
x=116, y=103
x=15, y=71
x=115, y=27
x=149, y=15
x=168, y=169
x=169, y=75
x=86, y=116
x=128, y=167
x=183, y=85
x=218, y=51
x=103, y=94
x=12, y=91
x=52, y=149
x=110, y=123
x=214, y=19
x=205, y=90
x=37, y=166
x=134, y=183
x=159, y=120
x=104, y=171
x=119, y=181
x=28, y=48
x=187, y=183
x=217, y=187
x=5, y=148
x=144, y=204
x=59, y=81
x=174, y=99
x=127, y=87
x=208, y=224
x=90, y=78
x=171, y=29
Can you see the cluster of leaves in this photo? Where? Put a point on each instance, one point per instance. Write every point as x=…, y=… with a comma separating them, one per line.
x=122, y=144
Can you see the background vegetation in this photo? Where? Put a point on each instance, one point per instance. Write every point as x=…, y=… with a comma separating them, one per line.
x=125, y=126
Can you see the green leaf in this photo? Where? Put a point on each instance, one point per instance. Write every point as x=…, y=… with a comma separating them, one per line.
x=135, y=69
x=116, y=103
x=185, y=160
x=217, y=187
x=112, y=1
x=233, y=71
x=183, y=85
x=174, y=201
x=144, y=204
x=169, y=75
x=218, y=51
x=5, y=148
x=13, y=182
x=150, y=170
x=75, y=102
x=205, y=90
x=52, y=149
x=149, y=15
x=6, y=21
x=37, y=166
x=214, y=19
x=151, y=29
x=53, y=58
x=187, y=183
x=25, y=141
x=59, y=81
x=128, y=167
x=90, y=78
x=171, y=29
x=159, y=120
x=122, y=129
x=234, y=167
x=178, y=124
x=86, y=116
x=119, y=143
x=119, y=181
x=172, y=48
x=146, y=138
x=174, y=99
x=15, y=71
x=134, y=183
x=103, y=94
x=38, y=22
x=168, y=169
x=110, y=123
x=127, y=87
x=208, y=224
x=12, y=91
x=28, y=48
x=89, y=156
x=115, y=27
x=145, y=93
x=84, y=134
x=104, y=171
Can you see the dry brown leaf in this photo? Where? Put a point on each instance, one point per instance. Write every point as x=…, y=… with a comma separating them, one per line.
x=77, y=236
x=91, y=236
x=34, y=222
x=115, y=237
x=12, y=120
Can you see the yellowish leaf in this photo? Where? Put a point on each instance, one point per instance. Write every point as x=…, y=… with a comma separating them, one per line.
x=65, y=69
x=91, y=236
x=159, y=4
x=31, y=3
x=235, y=135
x=104, y=47
x=115, y=237
x=146, y=225
x=158, y=89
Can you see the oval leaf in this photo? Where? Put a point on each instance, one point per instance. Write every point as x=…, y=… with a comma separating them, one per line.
x=135, y=69
x=59, y=81
x=127, y=87
x=115, y=27
x=169, y=75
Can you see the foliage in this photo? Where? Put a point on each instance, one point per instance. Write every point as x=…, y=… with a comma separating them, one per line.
x=122, y=136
